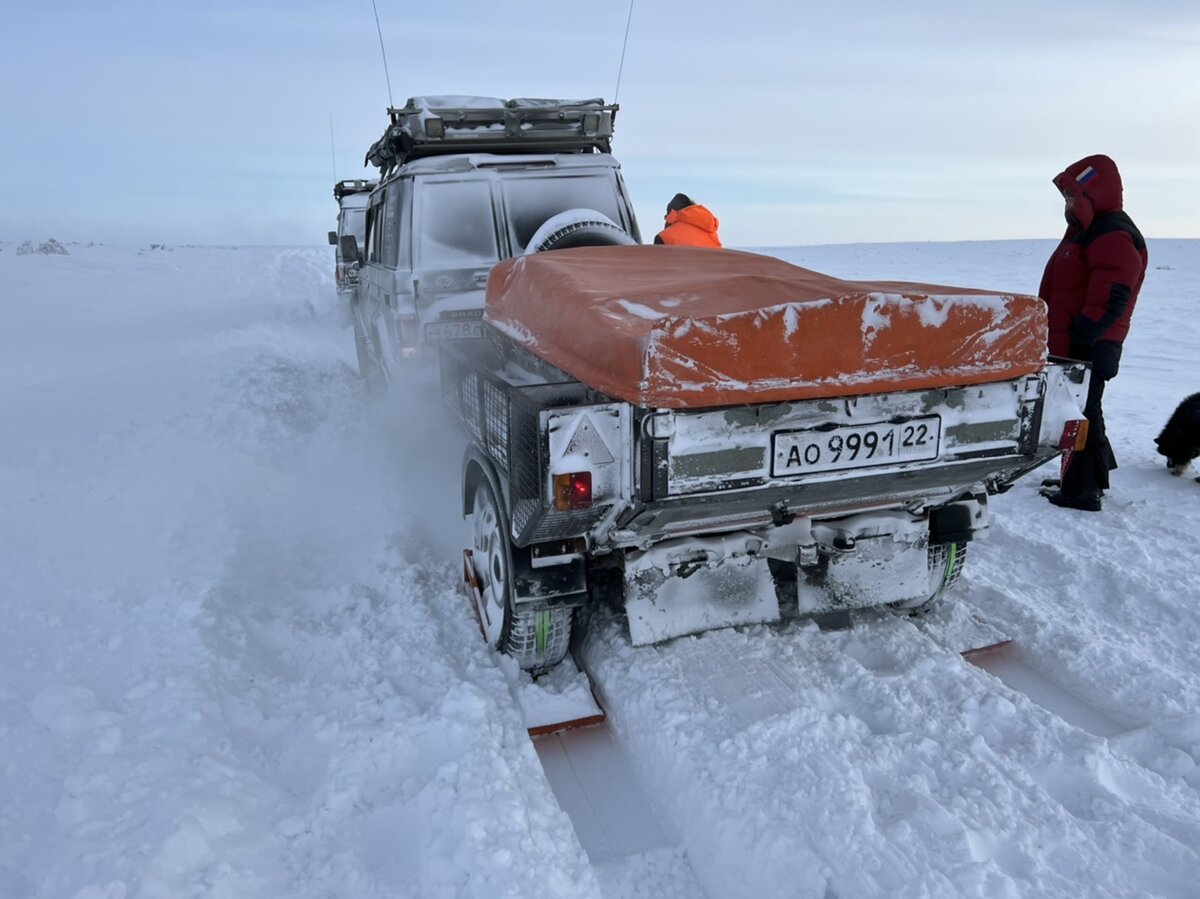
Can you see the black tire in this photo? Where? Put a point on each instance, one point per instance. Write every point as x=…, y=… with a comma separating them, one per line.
x=368, y=347
x=586, y=233
x=537, y=637
x=946, y=562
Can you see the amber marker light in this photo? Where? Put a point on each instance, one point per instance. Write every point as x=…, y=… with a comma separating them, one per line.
x=573, y=491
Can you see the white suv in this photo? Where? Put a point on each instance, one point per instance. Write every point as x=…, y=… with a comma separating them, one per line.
x=467, y=182
x=352, y=196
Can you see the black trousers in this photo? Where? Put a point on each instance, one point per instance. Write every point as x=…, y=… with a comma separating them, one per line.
x=1088, y=472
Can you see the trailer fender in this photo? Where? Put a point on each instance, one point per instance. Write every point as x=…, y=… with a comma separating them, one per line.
x=556, y=579
x=476, y=467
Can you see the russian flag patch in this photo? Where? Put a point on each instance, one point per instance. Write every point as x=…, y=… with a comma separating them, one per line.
x=1086, y=175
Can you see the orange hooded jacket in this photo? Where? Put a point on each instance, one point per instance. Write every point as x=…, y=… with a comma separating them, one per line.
x=692, y=226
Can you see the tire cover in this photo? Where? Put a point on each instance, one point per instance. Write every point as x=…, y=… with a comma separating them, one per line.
x=577, y=228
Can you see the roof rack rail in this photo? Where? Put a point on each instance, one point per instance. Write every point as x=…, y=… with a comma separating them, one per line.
x=348, y=186
x=433, y=126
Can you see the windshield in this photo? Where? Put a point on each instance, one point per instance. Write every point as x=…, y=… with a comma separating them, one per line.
x=532, y=199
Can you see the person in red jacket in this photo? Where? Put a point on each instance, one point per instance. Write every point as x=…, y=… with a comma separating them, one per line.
x=688, y=224
x=1090, y=286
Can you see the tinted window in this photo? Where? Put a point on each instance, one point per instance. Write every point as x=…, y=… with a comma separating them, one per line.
x=532, y=200
x=391, y=227
x=374, y=227
x=457, y=228
x=354, y=221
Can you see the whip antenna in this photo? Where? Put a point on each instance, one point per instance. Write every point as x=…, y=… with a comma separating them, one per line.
x=383, y=53
x=621, y=67
x=332, y=150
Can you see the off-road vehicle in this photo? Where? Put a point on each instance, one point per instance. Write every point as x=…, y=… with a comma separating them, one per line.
x=464, y=183
x=352, y=195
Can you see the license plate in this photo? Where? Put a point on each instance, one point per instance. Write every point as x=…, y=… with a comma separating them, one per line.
x=856, y=446
x=459, y=330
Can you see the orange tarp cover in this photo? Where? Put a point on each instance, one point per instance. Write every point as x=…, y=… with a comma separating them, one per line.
x=675, y=327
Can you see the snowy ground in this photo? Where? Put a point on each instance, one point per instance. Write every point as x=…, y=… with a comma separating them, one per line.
x=235, y=661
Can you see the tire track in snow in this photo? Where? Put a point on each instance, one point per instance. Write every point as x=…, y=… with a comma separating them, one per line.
x=1134, y=774
x=351, y=735
x=618, y=827
x=326, y=604
x=922, y=764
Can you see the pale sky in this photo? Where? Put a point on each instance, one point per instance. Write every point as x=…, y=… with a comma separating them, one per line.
x=796, y=123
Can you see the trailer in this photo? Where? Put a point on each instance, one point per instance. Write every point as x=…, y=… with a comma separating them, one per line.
x=695, y=435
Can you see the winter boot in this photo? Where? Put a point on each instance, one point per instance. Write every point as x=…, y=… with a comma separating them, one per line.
x=1084, y=502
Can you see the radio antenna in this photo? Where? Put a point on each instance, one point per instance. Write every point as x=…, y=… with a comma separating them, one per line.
x=383, y=53
x=621, y=67
x=332, y=149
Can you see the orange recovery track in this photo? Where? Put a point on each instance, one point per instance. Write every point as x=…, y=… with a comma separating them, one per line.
x=568, y=702
x=681, y=327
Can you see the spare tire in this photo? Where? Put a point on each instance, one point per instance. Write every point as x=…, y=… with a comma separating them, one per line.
x=577, y=228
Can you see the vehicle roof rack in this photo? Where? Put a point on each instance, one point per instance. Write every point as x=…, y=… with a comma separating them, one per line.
x=434, y=126
x=348, y=186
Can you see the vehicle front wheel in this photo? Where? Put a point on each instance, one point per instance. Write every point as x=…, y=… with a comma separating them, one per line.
x=368, y=347
x=538, y=638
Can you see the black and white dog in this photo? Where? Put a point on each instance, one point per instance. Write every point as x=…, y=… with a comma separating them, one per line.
x=1180, y=439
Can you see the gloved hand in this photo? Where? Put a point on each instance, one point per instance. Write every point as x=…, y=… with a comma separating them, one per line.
x=1084, y=330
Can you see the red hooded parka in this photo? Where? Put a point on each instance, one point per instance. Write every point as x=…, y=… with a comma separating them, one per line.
x=1092, y=280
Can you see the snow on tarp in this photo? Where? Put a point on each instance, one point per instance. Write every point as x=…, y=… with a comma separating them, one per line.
x=675, y=327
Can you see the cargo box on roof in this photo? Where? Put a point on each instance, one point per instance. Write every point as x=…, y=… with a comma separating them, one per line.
x=440, y=125
x=680, y=327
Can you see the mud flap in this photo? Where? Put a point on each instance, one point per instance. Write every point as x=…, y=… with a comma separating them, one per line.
x=661, y=606
x=559, y=700
x=877, y=571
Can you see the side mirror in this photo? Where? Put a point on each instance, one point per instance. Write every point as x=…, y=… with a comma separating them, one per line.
x=333, y=238
x=349, y=247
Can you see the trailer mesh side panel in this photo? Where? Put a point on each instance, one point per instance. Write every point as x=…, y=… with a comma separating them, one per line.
x=469, y=386
x=495, y=424
x=524, y=475
x=504, y=422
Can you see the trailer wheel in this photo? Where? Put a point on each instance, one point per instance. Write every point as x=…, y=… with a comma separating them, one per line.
x=946, y=562
x=538, y=638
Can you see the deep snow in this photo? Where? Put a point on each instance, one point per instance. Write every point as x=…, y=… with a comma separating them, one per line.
x=236, y=662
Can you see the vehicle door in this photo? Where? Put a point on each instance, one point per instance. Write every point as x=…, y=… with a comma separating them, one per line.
x=455, y=247
x=387, y=284
x=352, y=219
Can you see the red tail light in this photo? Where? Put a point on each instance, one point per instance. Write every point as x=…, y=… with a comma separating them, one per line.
x=1074, y=438
x=1074, y=435
x=573, y=491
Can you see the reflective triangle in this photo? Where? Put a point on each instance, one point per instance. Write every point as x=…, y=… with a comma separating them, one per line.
x=587, y=440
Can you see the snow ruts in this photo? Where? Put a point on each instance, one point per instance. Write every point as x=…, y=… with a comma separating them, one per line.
x=875, y=761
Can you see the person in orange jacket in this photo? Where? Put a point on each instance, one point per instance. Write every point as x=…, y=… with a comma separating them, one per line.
x=688, y=225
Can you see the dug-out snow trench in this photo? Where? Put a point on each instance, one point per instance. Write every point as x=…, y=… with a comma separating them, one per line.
x=598, y=789
x=1018, y=675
